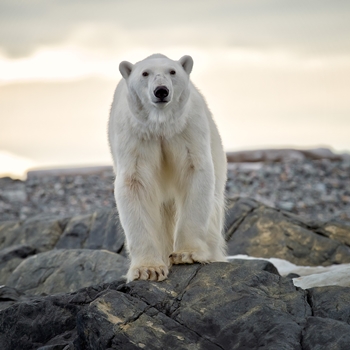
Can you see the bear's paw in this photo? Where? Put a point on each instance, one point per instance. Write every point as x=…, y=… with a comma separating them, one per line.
x=188, y=257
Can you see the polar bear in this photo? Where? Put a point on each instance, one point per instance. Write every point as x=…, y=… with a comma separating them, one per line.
x=170, y=168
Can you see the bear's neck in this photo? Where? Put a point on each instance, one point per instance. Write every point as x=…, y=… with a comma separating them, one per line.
x=153, y=123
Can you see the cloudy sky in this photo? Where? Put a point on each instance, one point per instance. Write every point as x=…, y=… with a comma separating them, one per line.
x=274, y=73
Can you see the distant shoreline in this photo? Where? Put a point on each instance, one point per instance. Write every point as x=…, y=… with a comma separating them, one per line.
x=251, y=156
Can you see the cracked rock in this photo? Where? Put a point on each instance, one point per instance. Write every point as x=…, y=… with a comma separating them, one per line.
x=238, y=305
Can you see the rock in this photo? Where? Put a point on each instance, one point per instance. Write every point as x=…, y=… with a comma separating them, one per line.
x=75, y=233
x=11, y=257
x=100, y=230
x=37, y=173
x=18, y=240
x=286, y=205
x=321, y=184
x=238, y=305
x=63, y=270
x=315, y=189
x=18, y=195
x=336, y=230
x=236, y=212
x=40, y=233
x=330, y=302
x=10, y=296
x=45, y=321
x=263, y=155
x=266, y=232
x=244, y=304
x=321, y=153
x=320, y=333
x=245, y=168
x=286, y=154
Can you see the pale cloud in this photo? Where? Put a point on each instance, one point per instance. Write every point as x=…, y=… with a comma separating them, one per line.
x=72, y=60
x=274, y=73
x=313, y=27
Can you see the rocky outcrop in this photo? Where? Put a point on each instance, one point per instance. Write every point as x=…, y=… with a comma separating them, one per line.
x=64, y=287
x=238, y=305
x=251, y=228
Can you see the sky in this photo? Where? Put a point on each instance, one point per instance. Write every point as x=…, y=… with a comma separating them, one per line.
x=275, y=73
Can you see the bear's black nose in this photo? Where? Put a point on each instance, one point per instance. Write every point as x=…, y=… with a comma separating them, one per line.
x=161, y=92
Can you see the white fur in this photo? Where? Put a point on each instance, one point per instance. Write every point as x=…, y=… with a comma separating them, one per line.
x=170, y=169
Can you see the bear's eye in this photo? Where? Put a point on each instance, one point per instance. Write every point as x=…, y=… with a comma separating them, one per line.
x=145, y=74
x=172, y=72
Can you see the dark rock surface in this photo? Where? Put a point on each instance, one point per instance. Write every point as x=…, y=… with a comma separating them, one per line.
x=20, y=240
x=11, y=257
x=238, y=305
x=66, y=270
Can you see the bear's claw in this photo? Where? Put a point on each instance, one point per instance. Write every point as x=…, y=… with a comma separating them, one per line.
x=152, y=273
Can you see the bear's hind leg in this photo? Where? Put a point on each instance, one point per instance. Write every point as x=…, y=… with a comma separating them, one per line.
x=207, y=246
x=216, y=240
x=195, y=205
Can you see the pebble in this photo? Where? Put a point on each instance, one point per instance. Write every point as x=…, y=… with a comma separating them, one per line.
x=315, y=189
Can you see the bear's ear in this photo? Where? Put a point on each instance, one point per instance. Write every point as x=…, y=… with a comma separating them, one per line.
x=187, y=63
x=125, y=69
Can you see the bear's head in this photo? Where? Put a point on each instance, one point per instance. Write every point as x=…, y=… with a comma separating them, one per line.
x=157, y=83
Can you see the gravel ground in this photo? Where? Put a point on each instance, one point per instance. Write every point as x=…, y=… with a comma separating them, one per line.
x=315, y=189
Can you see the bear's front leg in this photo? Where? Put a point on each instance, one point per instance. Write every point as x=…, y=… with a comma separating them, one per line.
x=195, y=209
x=139, y=210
